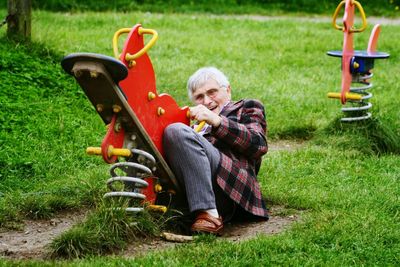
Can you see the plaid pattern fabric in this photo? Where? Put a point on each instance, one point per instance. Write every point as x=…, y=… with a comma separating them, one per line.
x=241, y=139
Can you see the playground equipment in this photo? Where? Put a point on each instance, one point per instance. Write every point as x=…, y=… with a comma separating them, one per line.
x=123, y=92
x=356, y=65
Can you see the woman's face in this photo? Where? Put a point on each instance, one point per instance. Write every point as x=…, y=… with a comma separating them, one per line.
x=211, y=95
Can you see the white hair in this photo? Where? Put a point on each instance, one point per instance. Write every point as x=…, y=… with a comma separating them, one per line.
x=203, y=75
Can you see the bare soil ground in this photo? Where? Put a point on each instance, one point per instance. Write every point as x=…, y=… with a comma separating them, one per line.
x=32, y=241
x=286, y=145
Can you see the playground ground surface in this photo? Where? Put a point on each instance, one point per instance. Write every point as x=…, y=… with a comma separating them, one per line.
x=346, y=177
x=31, y=242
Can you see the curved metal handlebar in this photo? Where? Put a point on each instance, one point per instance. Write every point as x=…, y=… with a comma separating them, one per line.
x=130, y=57
x=115, y=40
x=363, y=17
x=200, y=126
x=335, y=15
x=146, y=48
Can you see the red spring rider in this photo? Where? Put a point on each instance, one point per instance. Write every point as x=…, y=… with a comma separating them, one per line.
x=123, y=92
x=356, y=65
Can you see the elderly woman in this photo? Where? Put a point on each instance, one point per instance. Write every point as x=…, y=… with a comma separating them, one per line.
x=218, y=166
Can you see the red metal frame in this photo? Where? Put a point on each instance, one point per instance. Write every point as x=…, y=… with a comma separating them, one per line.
x=348, y=48
x=137, y=86
x=155, y=113
x=113, y=138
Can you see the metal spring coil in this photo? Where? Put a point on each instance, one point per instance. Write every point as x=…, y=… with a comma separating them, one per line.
x=359, y=109
x=135, y=183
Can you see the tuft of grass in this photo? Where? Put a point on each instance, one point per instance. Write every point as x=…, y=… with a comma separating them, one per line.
x=369, y=136
x=297, y=132
x=10, y=218
x=108, y=228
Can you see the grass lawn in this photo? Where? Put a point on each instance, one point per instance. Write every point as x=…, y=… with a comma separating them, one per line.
x=346, y=175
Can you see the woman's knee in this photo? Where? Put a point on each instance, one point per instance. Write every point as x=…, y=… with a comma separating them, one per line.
x=174, y=132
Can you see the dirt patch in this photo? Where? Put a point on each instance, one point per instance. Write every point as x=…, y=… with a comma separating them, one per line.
x=288, y=145
x=234, y=232
x=32, y=241
x=244, y=231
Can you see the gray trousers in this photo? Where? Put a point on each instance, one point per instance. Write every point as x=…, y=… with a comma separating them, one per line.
x=194, y=161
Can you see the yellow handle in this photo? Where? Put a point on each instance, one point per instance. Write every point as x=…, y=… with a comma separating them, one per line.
x=146, y=48
x=120, y=152
x=363, y=17
x=93, y=150
x=200, y=126
x=128, y=57
x=115, y=40
x=335, y=14
x=348, y=96
x=158, y=208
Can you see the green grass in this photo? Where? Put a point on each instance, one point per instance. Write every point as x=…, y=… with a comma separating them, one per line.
x=346, y=176
x=265, y=7
x=104, y=231
x=43, y=167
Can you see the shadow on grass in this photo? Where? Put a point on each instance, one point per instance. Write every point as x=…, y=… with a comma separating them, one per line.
x=373, y=136
x=304, y=132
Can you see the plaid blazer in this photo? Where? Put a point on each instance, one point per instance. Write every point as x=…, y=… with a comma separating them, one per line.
x=241, y=140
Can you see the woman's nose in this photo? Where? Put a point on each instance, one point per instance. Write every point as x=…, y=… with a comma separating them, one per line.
x=207, y=100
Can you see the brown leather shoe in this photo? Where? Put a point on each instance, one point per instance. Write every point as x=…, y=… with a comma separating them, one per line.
x=206, y=223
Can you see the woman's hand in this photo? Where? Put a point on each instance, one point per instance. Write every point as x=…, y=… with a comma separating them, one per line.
x=202, y=113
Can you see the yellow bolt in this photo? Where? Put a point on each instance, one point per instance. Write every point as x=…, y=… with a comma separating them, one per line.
x=157, y=188
x=160, y=111
x=99, y=107
x=94, y=74
x=151, y=96
x=356, y=65
x=116, y=108
x=132, y=63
